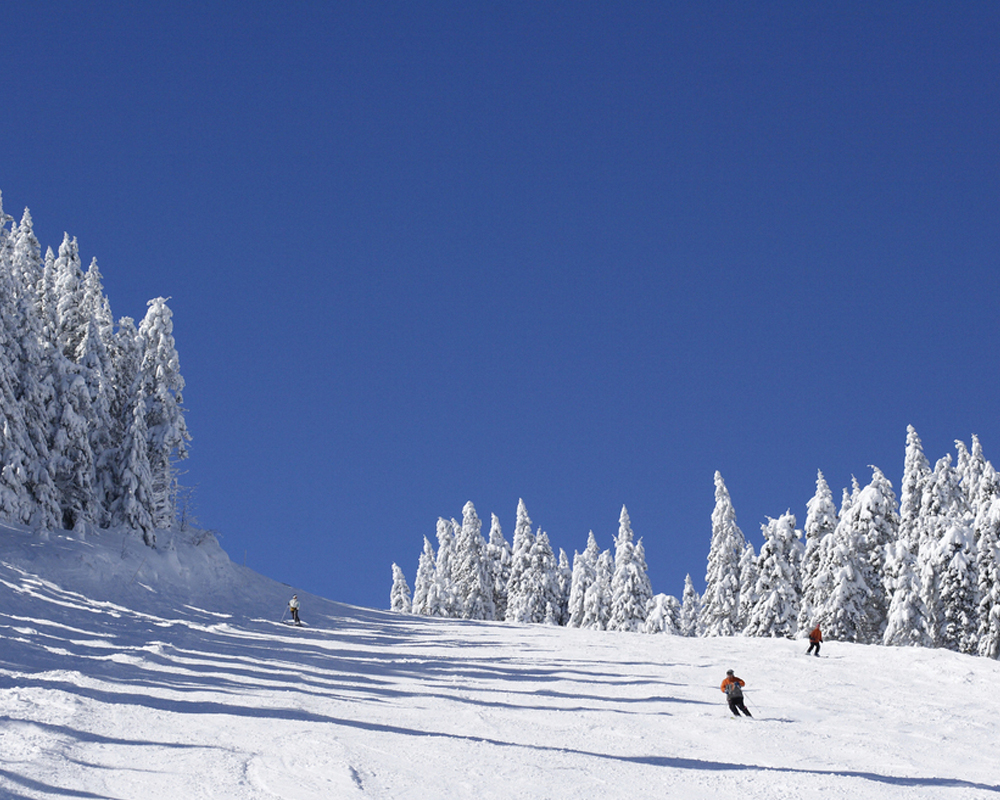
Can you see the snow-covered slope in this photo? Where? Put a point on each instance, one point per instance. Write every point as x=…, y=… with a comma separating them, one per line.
x=131, y=673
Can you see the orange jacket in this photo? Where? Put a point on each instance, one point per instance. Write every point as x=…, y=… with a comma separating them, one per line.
x=816, y=635
x=732, y=679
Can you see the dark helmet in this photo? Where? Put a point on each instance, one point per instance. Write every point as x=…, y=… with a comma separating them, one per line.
x=730, y=672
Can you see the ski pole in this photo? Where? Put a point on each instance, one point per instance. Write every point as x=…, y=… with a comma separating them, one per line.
x=283, y=613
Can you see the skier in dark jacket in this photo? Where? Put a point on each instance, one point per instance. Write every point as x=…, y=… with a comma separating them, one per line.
x=733, y=688
x=815, y=638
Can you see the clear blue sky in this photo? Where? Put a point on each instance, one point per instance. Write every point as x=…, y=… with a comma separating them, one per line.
x=580, y=253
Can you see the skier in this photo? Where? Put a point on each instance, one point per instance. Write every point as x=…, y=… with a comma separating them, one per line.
x=733, y=688
x=293, y=606
x=815, y=637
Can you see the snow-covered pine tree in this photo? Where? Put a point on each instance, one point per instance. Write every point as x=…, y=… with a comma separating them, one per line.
x=662, y=615
x=71, y=456
x=970, y=466
x=540, y=601
x=95, y=364
x=564, y=581
x=957, y=562
x=988, y=562
x=47, y=301
x=821, y=521
x=876, y=524
x=131, y=504
x=424, y=582
x=15, y=446
x=545, y=566
x=165, y=425
x=958, y=588
x=775, y=612
x=943, y=525
x=840, y=586
x=907, y=622
x=630, y=587
x=35, y=380
x=597, y=598
x=749, y=572
x=498, y=557
x=472, y=579
x=441, y=598
x=399, y=596
x=721, y=600
x=690, y=609
x=519, y=602
x=584, y=573
x=70, y=310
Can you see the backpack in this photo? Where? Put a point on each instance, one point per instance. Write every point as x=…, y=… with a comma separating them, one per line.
x=734, y=690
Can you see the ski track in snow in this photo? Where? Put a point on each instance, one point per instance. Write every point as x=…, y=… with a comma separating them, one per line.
x=128, y=673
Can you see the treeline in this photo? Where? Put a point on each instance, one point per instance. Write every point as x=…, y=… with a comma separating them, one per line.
x=922, y=571
x=92, y=424
x=472, y=578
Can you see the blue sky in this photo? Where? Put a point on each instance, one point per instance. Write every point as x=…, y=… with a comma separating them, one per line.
x=580, y=253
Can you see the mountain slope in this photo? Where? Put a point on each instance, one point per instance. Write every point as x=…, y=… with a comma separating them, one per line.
x=128, y=673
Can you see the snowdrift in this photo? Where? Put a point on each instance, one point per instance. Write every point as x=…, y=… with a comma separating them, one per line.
x=132, y=673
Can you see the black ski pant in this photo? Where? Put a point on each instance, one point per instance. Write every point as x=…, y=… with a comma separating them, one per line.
x=811, y=646
x=737, y=703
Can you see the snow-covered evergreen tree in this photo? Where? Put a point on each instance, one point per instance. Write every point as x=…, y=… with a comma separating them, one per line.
x=597, y=598
x=71, y=457
x=876, y=523
x=498, y=558
x=541, y=600
x=584, y=574
x=662, y=615
x=424, y=583
x=840, y=586
x=630, y=587
x=15, y=446
x=907, y=622
x=988, y=563
x=165, y=425
x=958, y=588
x=775, y=612
x=472, y=578
x=520, y=604
x=943, y=530
x=721, y=600
x=749, y=572
x=70, y=309
x=133, y=499
x=564, y=582
x=690, y=609
x=441, y=599
x=970, y=465
x=821, y=521
x=399, y=596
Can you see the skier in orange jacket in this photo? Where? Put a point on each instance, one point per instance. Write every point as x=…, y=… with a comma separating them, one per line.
x=733, y=688
x=815, y=637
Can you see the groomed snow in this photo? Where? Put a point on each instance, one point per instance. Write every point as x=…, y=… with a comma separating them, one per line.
x=131, y=673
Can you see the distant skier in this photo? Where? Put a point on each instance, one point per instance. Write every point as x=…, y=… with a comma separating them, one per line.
x=293, y=606
x=815, y=638
x=733, y=688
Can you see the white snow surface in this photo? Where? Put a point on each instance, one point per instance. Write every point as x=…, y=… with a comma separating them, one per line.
x=133, y=673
